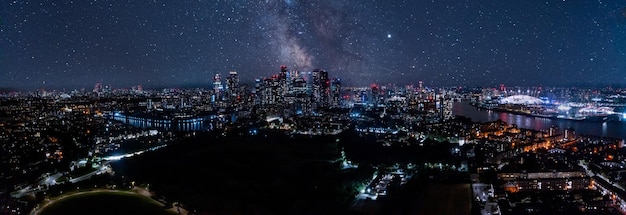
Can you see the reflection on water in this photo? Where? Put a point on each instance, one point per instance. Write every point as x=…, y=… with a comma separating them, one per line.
x=606, y=129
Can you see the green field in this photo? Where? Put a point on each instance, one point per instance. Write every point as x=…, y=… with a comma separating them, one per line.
x=96, y=203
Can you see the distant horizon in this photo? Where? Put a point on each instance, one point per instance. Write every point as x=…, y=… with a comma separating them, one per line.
x=88, y=87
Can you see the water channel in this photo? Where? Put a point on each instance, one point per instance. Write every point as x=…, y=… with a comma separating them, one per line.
x=613, y=129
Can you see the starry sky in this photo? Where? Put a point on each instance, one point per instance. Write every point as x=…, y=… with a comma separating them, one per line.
x=178, y=43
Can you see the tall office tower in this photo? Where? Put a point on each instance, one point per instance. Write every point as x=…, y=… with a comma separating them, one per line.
x=217, y=86
x=271, y=95
x=232, y=83
x=232, y=86
x=325, y=89
x=282, y=88
x=282, y=79
x=363, y=97
x=320, y=88
x=283, y=71
x=217, y=83
x=376, y=93
x=301, y=104
x=336, y=92
x=271, y=91
x=315, y=84
x=291, y=78
x=258, y=91
x=315, y=89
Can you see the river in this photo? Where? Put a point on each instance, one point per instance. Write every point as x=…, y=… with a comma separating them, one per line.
x=604, y=129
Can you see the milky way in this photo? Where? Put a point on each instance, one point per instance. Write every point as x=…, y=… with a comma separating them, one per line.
x=74, y=44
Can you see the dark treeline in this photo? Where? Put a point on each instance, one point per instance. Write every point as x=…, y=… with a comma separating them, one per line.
x=270, y=174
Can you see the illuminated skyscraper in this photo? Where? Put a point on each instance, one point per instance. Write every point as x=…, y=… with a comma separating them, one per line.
x=217, y=87
x=258, y=91
x=217, y=83
x=325, y=89
x=320, y=88
x=300, y=97
x=335, y=92
x=232, y=86
x=233, y=80
x=272, y=95
x=282, y=79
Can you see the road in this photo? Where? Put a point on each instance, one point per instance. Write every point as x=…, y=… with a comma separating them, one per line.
x=51, y=180
x=591, y=174
x=620, y=203
x=102, y=168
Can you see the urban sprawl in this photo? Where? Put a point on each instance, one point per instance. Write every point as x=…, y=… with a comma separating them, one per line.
x=54, y=138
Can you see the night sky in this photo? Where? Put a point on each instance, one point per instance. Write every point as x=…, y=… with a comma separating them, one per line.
x=65, y=44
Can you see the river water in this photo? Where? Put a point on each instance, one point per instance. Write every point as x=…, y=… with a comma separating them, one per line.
x=604, y=129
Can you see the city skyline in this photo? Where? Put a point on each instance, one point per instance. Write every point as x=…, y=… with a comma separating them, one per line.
x=304, y=140
x=178, y=44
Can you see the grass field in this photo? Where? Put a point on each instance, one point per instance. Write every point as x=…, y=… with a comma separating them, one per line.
x=104, y=202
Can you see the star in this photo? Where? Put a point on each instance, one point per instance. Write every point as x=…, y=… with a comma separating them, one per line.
x=74, y=45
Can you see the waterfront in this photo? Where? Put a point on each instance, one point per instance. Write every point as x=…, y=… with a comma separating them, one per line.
x=604, y=129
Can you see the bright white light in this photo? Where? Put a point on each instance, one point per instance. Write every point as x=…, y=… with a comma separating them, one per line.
x=564, y=108
x=388, y=35
x=114, y=157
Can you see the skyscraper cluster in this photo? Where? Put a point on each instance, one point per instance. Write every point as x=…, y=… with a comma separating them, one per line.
x=286, y=93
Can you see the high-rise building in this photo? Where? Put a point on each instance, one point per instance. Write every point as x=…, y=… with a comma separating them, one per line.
x=217, y=88
x=232, y=87
x=217, y=84
x=336, y=92
x=377, y=93
x=232, y=82
x=258, y=91
x=320, y=88
x=301, y=100
x=282, y=79
x=325, y=89
x=272, y=95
